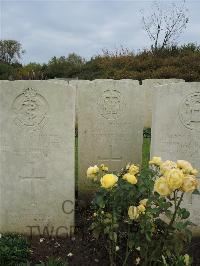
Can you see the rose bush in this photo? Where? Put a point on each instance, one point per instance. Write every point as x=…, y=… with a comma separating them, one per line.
x=139, y=213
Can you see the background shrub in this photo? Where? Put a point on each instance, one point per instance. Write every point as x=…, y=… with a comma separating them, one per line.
x=13, y=249
x=181, y=62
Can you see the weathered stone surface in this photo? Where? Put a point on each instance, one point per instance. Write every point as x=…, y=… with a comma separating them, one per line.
x=36, y=157
x=176, y=130
x=149, y=85
x=110, y=125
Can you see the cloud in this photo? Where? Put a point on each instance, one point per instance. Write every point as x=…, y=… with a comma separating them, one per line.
x=55, y=28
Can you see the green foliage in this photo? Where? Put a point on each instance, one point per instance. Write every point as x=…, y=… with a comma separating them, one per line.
x=170, y=62
x=146, y=152
x=50, y=262
x=65, y=67
x=177, y=261
x=181, y=62
x=32, y=71
x=156, y=233
x=13, y=249
x=147, y=133
x=6, y=71
x=10, y=51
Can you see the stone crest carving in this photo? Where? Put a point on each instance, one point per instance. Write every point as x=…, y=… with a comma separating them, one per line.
x=110, y=104
x=189, y=111
x=30, y=109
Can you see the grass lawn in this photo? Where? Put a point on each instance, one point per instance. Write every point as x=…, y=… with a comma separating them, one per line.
x=146, y=152
x=76, y=159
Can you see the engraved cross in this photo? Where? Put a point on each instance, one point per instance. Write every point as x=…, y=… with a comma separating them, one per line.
x=111, y=159
x=33, y=187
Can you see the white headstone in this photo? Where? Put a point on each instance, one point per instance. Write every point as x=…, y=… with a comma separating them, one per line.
x=149, y=86
x=110, y=125
x=36, y=157
x=176, y=130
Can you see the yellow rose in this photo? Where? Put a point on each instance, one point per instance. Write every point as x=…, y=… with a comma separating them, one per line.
x=161, y=186
x=144, y=202
x=167, y=165
x=156, y=161
x=185, y=166
x=104, y=168
x=174, y=178
x=194, y=172
x=133, y=213
x=141, y=208
x=133, y=169
x=108, y=180
x=96, y=169
x=190, y=183
x=92, y=171
x=130, y=178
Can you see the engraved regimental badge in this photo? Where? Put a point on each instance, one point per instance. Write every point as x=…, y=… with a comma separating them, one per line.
x=189, y=111
x=30, y=109
x=110, y=104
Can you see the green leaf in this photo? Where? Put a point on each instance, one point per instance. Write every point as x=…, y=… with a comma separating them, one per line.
x=115, y=226
x=180, y=225
x=107, y=221
x=106, y=230
x=189, y=223
x=196, y=191
x=100, y=201
x=148, y=236
x=185, y=214
x=113, y=236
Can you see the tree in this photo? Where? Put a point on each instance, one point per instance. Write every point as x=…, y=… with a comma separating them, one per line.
x=32, y=71
x=10, y=51
x=165, y=24
x=75, y=60
x=65, y=67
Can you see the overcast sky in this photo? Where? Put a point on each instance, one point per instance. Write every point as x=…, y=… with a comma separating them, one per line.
x=56, y=28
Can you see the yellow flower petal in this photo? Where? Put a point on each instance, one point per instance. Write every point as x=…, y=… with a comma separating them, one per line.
x=130, y=178
x=161, y=186
x=133, y=213
x=108, y=180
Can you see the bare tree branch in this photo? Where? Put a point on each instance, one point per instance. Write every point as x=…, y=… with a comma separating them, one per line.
x=165, y=24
